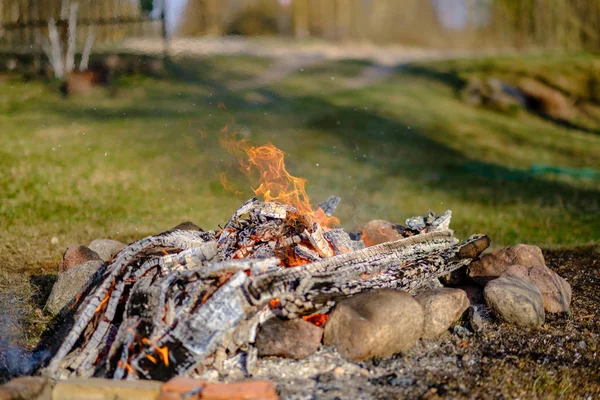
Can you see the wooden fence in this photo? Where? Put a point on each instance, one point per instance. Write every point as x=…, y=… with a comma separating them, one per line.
x=24, y=23
x=570, y=24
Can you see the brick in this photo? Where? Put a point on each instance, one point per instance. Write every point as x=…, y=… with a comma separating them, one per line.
x=105, y=389
x=193, y=389
x=26, y=388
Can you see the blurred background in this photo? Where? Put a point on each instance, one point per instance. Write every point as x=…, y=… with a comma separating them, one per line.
x=111, y=113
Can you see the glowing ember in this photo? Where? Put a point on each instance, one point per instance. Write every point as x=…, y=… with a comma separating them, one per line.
x=275, y=183
x=152, y=359
x=163, y=352
x=316, y=319
x=126, y=366
x=103, y=302
x=274, y=303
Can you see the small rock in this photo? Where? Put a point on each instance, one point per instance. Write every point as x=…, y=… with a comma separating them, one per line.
x=442, y=307
x=187, y=226
x=374, y=324
x=492, y=265
x=480, y=317
x=461, y=331
x=106, y=248
x=556, y=291
x=379, y=231
x=69, y=283
x=292, y=339
x=75, y=255
x=54, y=241
x=516, y=301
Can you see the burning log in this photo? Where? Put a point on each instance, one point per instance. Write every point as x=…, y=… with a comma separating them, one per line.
x=183, y=302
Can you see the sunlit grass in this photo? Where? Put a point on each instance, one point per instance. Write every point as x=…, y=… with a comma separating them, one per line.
x=81, y=168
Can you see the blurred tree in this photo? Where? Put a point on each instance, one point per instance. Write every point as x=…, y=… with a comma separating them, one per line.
x=566, y=24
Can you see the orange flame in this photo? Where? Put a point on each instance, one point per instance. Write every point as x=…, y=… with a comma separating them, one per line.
x=316, y=319
x=275, y=183
x=274, y=303
x=226, y=184
x=163, y=352
x=103, y=302
x=124, y=365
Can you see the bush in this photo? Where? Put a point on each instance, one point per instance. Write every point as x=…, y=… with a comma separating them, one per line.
x=253, y=22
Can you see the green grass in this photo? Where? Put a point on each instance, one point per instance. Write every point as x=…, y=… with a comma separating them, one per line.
x=81, y=168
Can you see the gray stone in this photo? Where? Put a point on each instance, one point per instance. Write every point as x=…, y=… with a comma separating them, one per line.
x=75, y=255
x=379, y=231
x=69, y=283
x=492, y=265
x=187, y=226
x=292, y=339
x=106, y=248
x=374, y=324
x=480, y=317
x=515, y=300
x=442, y=308
x=556, y=291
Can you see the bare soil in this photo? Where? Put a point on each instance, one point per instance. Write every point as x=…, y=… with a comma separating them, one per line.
x=560, y=360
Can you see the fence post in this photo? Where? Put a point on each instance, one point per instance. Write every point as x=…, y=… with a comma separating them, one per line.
x=165, y=34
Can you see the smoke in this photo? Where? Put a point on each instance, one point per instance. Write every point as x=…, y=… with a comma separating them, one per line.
x=15, y=360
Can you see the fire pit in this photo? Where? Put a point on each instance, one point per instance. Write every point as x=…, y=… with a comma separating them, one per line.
x=185, y=302
x=182, y=302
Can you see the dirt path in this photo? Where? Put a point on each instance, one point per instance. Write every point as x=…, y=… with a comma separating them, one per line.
x=290, y=56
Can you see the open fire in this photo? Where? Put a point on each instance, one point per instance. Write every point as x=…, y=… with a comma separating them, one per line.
x=187, y=302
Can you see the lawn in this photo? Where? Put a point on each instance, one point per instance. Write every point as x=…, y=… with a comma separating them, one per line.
x=76, y=169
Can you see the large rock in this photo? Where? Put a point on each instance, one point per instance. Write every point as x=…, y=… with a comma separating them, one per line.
x=494, y=94
x=187, y=226
x=292, y=339
x=546, y=100
x=556, y=292
x=442, y=308
x=379, y=231
x=106, y=248
x=492, y=265
x=75, y=255
x=515, y=300
x=374, y=324
x=69, y=283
